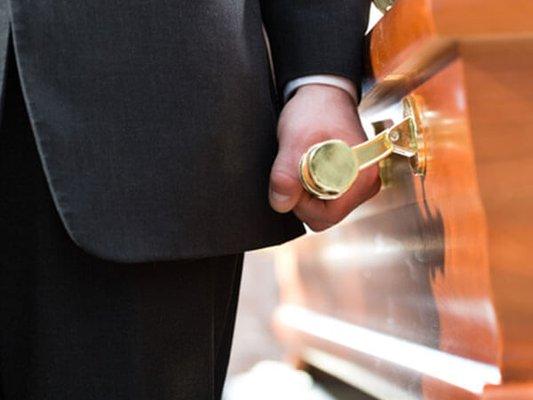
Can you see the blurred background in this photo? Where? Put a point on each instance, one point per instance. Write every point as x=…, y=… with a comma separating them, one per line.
x=259, y=367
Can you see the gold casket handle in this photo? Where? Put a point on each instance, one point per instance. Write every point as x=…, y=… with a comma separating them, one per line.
x=328, y=169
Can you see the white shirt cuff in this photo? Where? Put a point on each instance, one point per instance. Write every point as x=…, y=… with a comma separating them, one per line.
x=331, y=80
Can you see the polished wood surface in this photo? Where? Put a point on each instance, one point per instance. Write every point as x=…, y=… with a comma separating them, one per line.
x=439, y=267
x=417, y=37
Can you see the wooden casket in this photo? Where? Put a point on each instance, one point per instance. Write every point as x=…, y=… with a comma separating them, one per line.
x=426, y=291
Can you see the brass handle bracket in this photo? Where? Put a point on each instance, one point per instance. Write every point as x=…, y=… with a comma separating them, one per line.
x=328, y=169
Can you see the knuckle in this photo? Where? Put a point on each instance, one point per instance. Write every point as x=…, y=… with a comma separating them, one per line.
x=372, y=177
x=336, y=216
x=281, y=179
x=312, y=225
x=376, y=188
x=317, y=226
x=314, y=228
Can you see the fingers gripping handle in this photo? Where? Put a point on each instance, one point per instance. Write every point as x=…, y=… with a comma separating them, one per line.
x=328, y=169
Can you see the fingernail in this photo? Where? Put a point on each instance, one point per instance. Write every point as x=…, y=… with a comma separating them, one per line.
x=278, y=197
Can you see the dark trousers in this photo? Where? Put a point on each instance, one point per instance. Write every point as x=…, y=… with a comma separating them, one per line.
x=76, y=327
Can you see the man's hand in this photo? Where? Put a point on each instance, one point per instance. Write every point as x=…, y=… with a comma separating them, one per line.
x=317, y=113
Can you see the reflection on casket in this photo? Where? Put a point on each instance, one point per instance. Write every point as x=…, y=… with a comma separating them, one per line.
x=425, y=292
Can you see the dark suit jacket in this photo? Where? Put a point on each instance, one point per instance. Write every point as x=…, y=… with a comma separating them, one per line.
x=155, y=119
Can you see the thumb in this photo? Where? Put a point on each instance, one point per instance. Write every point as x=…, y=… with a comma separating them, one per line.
x=285, y=188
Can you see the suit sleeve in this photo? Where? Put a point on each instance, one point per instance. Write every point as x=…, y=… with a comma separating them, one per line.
x=309, y=37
